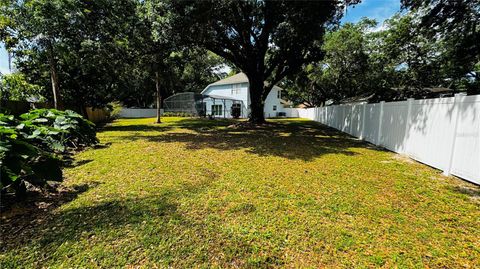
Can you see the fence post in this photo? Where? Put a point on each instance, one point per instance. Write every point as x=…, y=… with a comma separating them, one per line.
x=408, y=122
x=362, y=134
x=456, y=116
x=380, y=122
x=351, y=120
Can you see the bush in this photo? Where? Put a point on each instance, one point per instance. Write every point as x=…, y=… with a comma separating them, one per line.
x=59, y=130
x=114, y=108
x=32, y=147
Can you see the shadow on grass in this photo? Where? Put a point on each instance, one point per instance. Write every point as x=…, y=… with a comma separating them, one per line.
x=37, y=214
x=152, y=223
x=21, y=224
x=87, y=221
x=187, y=123
x=473, y=191
x=20, y=220
x=137, y=128
x=72, y=163
x=290, y=139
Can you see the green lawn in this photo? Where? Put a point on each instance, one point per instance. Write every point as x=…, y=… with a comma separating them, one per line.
x=199, y=193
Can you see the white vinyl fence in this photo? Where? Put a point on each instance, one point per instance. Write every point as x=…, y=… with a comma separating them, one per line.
x=443, y=132
x=139, y=112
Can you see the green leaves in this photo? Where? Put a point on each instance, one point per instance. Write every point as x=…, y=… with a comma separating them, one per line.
x=59, y=130
x=17, y=88
x=32, y=147
x=267, y=40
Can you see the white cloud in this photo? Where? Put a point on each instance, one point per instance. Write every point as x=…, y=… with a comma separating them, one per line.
x=380, y=27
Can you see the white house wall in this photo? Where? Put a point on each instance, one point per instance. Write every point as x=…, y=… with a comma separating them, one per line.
x=243, y=95
x=226, y=90
x=271, y=101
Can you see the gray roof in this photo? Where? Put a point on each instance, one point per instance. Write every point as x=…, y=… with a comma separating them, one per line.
x=235, y=79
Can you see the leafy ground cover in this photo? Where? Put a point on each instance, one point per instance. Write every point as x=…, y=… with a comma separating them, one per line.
x=199, y=193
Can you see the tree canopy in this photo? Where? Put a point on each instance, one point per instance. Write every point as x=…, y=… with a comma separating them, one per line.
x=84, y=53
x=401, y=59
x=267, y=40
x=78, y=53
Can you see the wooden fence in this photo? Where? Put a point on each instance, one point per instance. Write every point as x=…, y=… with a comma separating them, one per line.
x=97, y=115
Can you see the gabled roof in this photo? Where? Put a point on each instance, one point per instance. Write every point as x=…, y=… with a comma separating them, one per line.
x=235, y=79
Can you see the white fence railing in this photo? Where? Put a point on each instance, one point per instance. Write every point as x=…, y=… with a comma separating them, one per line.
x=139, y=112
x=443, y=132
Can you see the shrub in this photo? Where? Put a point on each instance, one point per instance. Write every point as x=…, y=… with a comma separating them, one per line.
x=21, y=160
x=59, y=130
x=31, y=147
x=114, y=108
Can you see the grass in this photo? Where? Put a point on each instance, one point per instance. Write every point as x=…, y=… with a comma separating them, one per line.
x=198, y=193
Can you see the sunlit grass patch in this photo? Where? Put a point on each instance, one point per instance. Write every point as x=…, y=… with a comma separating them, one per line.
x=202, y=193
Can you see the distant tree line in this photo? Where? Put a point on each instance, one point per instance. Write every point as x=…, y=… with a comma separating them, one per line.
x=78, y=53
x=430, y=44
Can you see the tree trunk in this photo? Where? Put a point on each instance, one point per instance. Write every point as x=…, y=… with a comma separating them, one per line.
x=256, y=100
x=9, y=61
x=57, y=99
x=159, y=97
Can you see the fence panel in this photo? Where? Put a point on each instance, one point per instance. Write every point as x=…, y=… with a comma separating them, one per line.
x=430, y=131
x=139, y=112
x=97, y=115
x=466, y=153
x=356, y=120
x=394, y=124
x=291, y=112
x=442, y=132
x=372, y=116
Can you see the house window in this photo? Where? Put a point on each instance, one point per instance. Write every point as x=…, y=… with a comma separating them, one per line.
x=274, y=108
x=236, y=88
x=217, y=110
x=279, y=94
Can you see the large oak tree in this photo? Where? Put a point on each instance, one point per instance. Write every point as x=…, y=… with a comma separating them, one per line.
x=267, y=40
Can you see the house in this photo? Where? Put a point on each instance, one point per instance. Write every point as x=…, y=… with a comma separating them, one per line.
x=232, y=92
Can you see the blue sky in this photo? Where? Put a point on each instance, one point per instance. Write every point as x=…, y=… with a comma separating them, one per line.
x=377, y=9
x=3, y=60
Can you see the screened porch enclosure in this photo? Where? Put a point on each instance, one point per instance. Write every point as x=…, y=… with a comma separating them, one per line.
x=201, y=105
x=185, y=102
